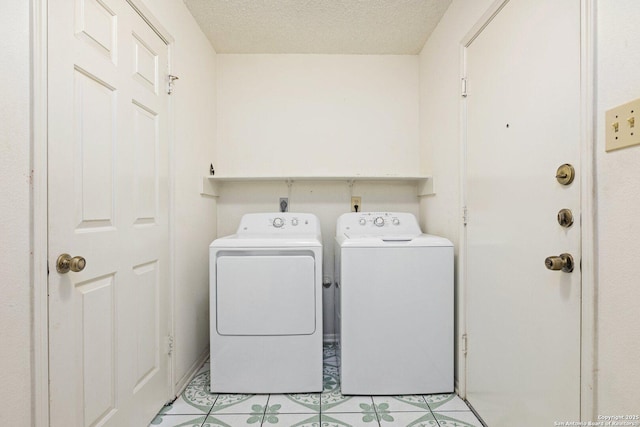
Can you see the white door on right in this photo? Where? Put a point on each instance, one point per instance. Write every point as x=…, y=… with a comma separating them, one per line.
x=523, y=122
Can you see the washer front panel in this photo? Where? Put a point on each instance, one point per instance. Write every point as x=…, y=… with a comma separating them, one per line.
x=402, y=297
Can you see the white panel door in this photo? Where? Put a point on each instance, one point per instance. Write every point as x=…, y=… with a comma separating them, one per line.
x=523, y=121
x=108, y=202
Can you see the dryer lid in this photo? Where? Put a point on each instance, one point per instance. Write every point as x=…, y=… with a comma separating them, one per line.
x=261, y=241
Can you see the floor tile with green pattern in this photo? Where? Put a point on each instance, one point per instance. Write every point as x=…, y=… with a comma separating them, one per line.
x=196, y=407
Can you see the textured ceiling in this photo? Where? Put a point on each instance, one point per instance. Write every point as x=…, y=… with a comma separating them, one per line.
x=318, y=26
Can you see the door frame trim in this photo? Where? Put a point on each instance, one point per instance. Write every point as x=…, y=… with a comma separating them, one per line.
x=588, y=355
x=40, y=224
x=39, y=233
x=588, y=352
x=471, y=35
x=146, y=14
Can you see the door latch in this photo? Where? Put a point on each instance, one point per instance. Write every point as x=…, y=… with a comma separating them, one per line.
x=565, y=218
x=565, y=174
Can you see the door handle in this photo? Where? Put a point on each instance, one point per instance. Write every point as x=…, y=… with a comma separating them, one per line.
x=66, y=262
x=563, y=262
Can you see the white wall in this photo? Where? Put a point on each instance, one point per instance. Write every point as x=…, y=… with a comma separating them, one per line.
x=440, y=67
x=618, y=187
x=193, y=61
x=15, y=216
x=287, y=115
x=317, y=115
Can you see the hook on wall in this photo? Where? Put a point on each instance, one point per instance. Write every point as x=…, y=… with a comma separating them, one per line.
x=172, y=79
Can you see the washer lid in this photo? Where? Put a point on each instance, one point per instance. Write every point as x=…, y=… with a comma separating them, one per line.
x=391, y=237
x=421, y=240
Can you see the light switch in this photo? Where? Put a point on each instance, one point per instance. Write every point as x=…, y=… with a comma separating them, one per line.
x=621, y=130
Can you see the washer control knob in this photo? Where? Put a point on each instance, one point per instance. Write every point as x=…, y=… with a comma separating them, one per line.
x=396, y=221
x=363, y=221
x=294, y=221
x=278, y=222
x=379, y=221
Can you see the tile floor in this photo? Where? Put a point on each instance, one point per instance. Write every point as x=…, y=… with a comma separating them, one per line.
x=196, y=407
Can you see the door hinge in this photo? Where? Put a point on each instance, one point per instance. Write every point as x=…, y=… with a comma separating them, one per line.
x=170, y=345
x=465, y=216
x=464, y=344
x=172, y=79
x=464, y=87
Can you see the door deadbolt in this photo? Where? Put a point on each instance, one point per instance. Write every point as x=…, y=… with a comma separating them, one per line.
x=563, y=262
x=565, y=218
x=565, y=174
x=66, y=262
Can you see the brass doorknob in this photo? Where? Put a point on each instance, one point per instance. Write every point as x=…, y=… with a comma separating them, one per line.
x=563, y=262
x=66, y=262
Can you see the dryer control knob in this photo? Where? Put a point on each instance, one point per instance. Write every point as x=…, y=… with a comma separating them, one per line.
x=396, y=221
x=379, y=221
x=294, y=221
x=363, y=221
x=278, y=222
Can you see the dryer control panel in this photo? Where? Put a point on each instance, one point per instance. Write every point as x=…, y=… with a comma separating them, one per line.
x=377, y=224
x=288, y=223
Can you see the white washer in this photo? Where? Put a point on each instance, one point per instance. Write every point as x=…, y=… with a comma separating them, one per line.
x=266, y=306
x=395, y=306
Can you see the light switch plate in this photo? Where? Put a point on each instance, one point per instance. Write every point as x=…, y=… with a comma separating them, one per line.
x=623, y=126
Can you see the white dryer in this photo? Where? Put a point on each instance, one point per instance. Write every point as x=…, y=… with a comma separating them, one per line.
x=395, y=306
x=266, y=306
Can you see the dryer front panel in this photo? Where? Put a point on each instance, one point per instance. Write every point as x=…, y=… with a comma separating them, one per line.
x=265, y=294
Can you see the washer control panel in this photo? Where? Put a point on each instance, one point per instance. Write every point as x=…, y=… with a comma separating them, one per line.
x=377, y=223
x=377, y=219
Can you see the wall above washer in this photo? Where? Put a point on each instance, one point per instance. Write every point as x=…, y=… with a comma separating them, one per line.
x=318, y=115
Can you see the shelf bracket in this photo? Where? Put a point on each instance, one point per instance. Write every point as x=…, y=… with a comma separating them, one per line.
x=425, y=187
x=209, y=188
